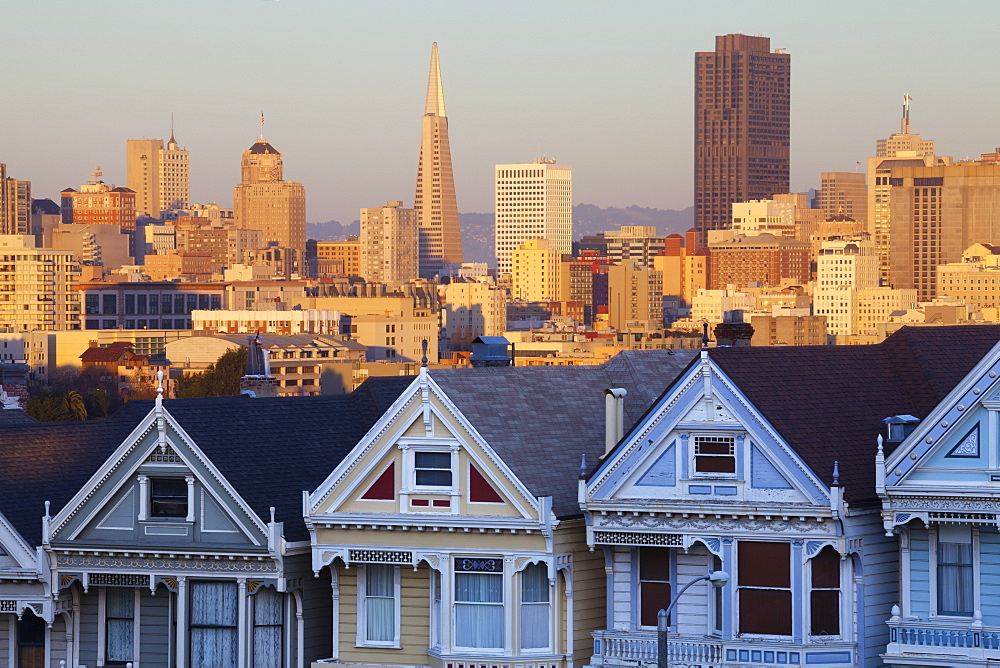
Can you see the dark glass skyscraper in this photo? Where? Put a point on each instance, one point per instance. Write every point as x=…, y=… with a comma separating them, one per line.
x=741, y=127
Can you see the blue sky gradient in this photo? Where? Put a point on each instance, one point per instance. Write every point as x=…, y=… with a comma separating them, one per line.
x=605, y=87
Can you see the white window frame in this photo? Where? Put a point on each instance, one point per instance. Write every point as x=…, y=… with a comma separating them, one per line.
x=932, y=571
x=693, y=456
x=362, y=637
x=845, y=603
x=505, y=581
x=409, y=473
x=522, y=603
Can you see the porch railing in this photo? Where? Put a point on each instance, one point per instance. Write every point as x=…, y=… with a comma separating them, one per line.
x=943, y=637
x=640, y=647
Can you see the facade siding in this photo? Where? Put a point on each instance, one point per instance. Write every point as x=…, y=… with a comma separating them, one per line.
x=989, y=550
x=589, y=589
x=622, y=589
x=880, y=571
x=920, y=603
x=317, y=608
x=154, y=627
x=88, y=627
x=692, y=608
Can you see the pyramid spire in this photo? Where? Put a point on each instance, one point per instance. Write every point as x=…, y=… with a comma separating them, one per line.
x=435, y=91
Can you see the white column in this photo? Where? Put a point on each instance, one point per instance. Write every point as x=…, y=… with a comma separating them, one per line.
x=143, y=498
x=181, y=656
x=190, y=487
x=102, y=633
x=508, y=603
x=335, y=594
x=241, y=602
x=447, y=601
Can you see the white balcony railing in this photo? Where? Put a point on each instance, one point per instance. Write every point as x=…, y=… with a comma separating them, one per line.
x=908, y=637
x=639, y=648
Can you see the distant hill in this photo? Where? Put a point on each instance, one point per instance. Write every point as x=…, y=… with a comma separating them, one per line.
x=477, y=228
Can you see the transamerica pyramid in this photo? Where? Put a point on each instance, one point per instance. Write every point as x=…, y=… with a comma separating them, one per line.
x=440, y=234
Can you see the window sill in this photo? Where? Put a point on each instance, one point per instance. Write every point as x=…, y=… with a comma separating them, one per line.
x=378, y=646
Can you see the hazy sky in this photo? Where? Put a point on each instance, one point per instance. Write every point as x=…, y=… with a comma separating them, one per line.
x=603, y=86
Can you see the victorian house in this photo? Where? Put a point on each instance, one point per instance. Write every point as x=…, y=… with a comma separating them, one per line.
x=452, y=533
x=758, y=462
x=938, y=475
x=171, y=534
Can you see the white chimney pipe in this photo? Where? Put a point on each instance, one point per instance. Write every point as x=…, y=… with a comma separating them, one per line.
x=614, y=417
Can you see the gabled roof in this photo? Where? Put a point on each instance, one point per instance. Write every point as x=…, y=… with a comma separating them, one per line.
x=540, y=420
x=269, y=449
x=110, y=353
x=828, y=402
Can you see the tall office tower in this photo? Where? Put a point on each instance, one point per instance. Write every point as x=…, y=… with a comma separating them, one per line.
x=533, y=201
x=899, y=150
x=741, y=122
x=936, y=213
x=99, y=203
x=440, y=233
x=843, y=193
x=264, y=201
x=634, y=242
x=635, y=297
x=535, y=272
x=389, y=249
x=160, y=177
x=15, y=204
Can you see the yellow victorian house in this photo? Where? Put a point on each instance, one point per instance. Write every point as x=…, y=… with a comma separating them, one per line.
x=453, y=531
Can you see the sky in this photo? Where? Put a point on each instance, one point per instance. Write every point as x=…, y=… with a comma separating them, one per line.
x=606, y=87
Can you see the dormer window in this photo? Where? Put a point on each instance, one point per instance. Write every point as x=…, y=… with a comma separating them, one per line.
x=168, y=497
x=714, y=455
x=432, y=469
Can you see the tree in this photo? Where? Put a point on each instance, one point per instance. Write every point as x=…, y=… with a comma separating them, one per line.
x=221, y=379
x=97, y=404
x=75, y=406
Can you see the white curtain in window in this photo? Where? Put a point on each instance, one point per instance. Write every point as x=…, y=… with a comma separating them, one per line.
x=479, y=610
x=380, y=603
x=955, y=578
x=213, y=624
x=120, y=617
x=267, y=628
x=535, y=607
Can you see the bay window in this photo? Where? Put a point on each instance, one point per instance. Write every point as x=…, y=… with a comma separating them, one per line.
x=379, y=594
x=535, y=607
x=764, y=583
x=954, y=571
x=213, y=624
x=479, y=608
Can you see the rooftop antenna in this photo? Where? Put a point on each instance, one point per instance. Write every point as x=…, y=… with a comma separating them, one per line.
x=172, y=144
x=905, y=122
x=261, y=125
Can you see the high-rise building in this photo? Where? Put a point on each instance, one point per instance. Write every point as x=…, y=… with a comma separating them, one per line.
x=635, y=297
x=634, y=242
x=935, y=214
x=843, y=193
x=389, y=248
x=741, y=110
x=264, y=201
x=899, y=150
x=339, y=258
x=435, y=202
x=160, y=177
x=535, y=271
x=99, y=203
x=15, y=204
x=533, y=201
x=36, y=286
x=842, y=268
x=763, y=258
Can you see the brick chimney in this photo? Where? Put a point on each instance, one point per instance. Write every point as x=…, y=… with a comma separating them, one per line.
x=258, y=381
x=14, y=386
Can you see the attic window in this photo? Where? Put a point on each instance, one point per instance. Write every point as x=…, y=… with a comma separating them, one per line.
x=432, y=469
x=714, y=454
x=168, y=497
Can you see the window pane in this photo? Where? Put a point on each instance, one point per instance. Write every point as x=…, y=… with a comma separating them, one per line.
x=478, y=625
x=379, y=580
x=479, y=588
x=535, y=584
x=432, y=460
x=706, y=464
x=267, y=607
x=826, y=569
x=120, y=602
x=213, y=603
x=380, y=619
x=654, y=563
x=825, y=612
x=764, y=564
x=653, y=597
x=534, y=626
x=120, y=637
x=766, y=611
x=433, y=477
x=214, y=648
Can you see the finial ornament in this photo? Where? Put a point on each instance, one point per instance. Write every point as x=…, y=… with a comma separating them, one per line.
x=836, y=473
x=583, y=465
x=423, y=346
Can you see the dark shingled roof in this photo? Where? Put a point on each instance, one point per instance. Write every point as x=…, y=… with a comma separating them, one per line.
x=269, y=449
x=828, y=402
x=540, y=420
x=261, y=147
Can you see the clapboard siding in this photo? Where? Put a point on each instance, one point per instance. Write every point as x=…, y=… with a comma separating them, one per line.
x=622, y=589
x=88, y=627
x=57, y=642
x=692, y=608
x=317, y=608
x=879, y=556
x=919, y=574
x=154, y=627
x=589, y=589
x=989, y=577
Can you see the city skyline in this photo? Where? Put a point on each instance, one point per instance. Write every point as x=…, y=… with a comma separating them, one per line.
x=520, y=85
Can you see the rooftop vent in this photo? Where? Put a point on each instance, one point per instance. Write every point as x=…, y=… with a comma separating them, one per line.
x=898, y=427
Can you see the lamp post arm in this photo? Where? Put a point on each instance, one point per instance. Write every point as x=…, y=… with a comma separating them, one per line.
x=677, y=597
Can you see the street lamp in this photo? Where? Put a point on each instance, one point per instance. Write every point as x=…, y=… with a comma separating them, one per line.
x=718, y=579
